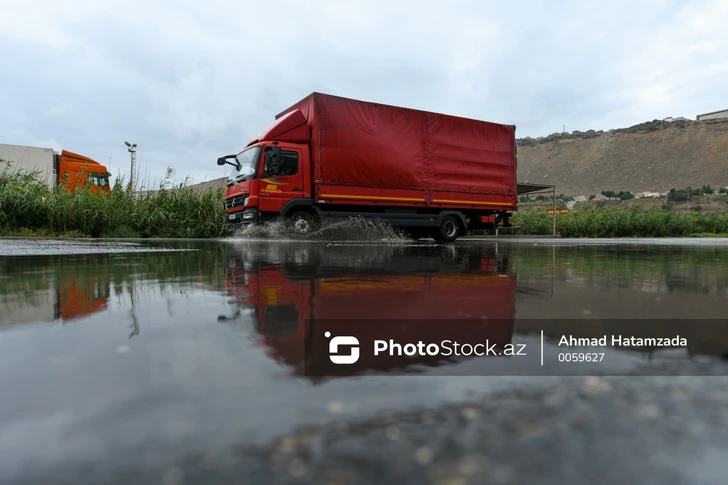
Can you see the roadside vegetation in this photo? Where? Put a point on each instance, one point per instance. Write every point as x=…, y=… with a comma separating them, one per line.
x=633, y=222
x=29, y=208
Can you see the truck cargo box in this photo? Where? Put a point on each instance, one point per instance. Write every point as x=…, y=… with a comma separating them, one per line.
x=433, y=158
x=27, y=159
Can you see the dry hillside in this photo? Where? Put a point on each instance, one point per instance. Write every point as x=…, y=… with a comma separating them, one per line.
x=653, y=156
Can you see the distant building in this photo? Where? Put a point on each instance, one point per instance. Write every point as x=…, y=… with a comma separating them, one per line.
x=600, y=197
x=715, y=115
x=643, y=195
x=670, y=119
x=580, y=198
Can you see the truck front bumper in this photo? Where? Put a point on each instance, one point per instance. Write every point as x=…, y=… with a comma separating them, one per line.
x=243, y=218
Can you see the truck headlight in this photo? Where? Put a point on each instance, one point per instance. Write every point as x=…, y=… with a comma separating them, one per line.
x=248, y=215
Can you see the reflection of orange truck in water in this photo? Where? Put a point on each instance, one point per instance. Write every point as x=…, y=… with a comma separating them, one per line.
x=67, y=169
x=293, y=310
x=63, y=300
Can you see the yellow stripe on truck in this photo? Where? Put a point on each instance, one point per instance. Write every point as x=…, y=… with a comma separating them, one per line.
x=371, y=197
x=411, y=199
x=474, y=202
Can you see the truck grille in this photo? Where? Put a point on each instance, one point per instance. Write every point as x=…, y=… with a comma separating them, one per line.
x=235, y=202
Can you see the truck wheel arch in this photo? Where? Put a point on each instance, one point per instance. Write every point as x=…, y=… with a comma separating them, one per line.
x=300, y=204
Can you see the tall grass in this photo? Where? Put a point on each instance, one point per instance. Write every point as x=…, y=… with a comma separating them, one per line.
x=597, y=223
x=26, y=205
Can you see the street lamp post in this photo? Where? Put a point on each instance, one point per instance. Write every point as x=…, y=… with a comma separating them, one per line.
x=132, y=150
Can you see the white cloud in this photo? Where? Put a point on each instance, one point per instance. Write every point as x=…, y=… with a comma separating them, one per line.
x=188, y=81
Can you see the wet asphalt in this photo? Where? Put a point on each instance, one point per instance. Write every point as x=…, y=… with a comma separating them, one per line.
x=656, y=430
x=669, y=428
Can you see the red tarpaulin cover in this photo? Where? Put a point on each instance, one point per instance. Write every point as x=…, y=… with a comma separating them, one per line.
x=367, y=144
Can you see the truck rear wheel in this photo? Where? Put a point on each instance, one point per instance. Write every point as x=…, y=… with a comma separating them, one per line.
x=448, y=231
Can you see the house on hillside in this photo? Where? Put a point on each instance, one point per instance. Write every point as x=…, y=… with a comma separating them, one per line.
x=580, y=198
x=645, y=195
x=600, y=197
x=670, y=119
x=715, y=115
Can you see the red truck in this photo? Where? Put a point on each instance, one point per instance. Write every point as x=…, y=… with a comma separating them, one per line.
x=329, y=157
x=407, y=294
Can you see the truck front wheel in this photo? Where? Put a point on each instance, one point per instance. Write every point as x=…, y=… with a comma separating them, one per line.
x=448, y=231
x=304, y=222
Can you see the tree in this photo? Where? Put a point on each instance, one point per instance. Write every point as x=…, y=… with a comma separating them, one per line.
x=625, y=195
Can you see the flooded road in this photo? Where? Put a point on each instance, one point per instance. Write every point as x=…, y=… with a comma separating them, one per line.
x=208, y=362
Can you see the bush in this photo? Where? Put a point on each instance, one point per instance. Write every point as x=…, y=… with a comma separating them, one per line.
x=625, y=196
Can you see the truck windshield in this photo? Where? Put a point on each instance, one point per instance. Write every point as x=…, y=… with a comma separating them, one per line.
x=247, y=165
x=98, y=179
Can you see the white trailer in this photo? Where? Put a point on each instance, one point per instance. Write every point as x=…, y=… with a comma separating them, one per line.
x=31, y=159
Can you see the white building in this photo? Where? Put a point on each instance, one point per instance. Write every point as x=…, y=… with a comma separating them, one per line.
x=715, y=115
x=580, y=198
x=671, y=119
x=644, y=195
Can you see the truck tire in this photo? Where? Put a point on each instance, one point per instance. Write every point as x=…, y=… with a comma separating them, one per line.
x=304, y=222
x=448, y=231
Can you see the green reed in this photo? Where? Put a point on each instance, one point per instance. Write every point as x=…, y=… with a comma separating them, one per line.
x=598, y=223
x=28, y=207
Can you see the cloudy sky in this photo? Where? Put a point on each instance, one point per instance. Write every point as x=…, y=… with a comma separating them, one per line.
x=190, y=81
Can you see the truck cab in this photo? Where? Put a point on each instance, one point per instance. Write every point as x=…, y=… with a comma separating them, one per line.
x=76, y=170
x=265, y=180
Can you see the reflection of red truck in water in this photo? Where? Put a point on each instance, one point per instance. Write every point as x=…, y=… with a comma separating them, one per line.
x=328, y=157
x=409, y=298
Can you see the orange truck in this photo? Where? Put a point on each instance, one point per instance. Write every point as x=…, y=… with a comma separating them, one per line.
x=66, y=169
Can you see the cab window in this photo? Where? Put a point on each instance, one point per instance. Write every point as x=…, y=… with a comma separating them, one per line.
x=289, y=164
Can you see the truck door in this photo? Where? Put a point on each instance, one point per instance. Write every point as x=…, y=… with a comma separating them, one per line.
x=276, y=190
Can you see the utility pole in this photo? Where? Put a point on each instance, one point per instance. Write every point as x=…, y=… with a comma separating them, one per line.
x=132, y=150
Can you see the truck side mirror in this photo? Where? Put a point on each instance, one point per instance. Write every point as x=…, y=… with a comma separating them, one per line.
x=224, y=160
x=273, y=160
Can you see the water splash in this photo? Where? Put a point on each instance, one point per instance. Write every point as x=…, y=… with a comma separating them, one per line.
x=345, y=230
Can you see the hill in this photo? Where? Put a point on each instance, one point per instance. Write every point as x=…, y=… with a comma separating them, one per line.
x=652, y=156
